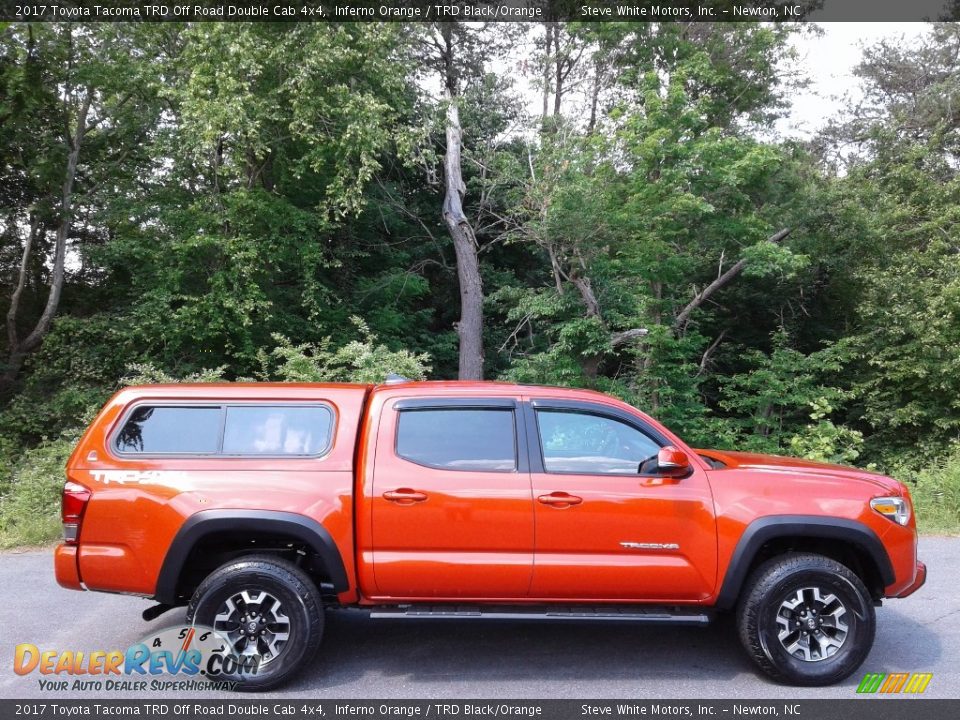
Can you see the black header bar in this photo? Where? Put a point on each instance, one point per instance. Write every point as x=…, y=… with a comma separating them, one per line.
x=231, y=706
x=480, y=10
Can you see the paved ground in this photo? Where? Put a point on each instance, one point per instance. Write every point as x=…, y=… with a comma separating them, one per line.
x=424, y=659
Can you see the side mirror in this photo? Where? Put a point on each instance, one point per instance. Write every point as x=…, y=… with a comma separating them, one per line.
x=672, y=462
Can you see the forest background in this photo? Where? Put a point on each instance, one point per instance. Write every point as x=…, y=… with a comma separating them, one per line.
x=337, y=201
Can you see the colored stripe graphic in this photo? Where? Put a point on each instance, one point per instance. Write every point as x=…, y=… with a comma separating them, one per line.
x=892, y=683
x=871, y=682
x=918, y=682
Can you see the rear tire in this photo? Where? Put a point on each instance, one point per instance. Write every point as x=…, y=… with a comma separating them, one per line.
x=266, y=607
x=806, y=619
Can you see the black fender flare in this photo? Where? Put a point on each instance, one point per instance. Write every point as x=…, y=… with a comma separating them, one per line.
x=765, y=529
x=207, y=522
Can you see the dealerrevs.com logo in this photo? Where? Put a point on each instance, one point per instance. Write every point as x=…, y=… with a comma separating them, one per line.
x=197, y=658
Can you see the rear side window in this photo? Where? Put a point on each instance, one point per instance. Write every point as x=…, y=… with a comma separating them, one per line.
x=478, y=439
x=276, y=430
x=167, y=429
x=231, y=430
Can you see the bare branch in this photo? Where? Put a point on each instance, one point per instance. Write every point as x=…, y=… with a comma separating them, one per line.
x=625, y=336
x=516, y=332
x=680, y=323
x=708, y=353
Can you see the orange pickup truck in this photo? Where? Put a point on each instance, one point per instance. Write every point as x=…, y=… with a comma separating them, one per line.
x=259, y=505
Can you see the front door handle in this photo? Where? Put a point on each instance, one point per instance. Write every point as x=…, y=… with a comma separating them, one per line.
x=560, y=500
x=404, y=496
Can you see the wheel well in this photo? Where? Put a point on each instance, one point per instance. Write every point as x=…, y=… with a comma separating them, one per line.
x=210, y=538
x=851, y=555
x=218, y=548
x=847, y=541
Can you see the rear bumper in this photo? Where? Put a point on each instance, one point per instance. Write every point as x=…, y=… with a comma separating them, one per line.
x=918, y=580
x=65, y=567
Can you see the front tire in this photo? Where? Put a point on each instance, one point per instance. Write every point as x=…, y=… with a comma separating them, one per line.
x=267, y=608
x=806, y=619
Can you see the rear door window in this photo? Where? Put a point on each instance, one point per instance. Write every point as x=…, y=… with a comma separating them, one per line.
x=477, y=439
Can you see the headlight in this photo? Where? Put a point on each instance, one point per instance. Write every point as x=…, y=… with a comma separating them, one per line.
x=895, y=508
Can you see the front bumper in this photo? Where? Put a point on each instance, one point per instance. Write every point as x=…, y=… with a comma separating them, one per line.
x=918, y=580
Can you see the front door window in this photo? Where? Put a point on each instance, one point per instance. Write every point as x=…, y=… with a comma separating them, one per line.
x=577, y=442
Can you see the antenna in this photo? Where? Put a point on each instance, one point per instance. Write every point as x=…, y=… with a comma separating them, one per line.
x=394, y=378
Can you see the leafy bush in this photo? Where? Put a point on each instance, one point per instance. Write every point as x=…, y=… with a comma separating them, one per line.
x=75, y=369
x=149, y=374
x=936, y=494
x=824, y=441
x=361, y=360
x=770, y=401
x=30, y=504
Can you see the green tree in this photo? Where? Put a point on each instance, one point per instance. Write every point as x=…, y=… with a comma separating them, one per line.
x=644, y=225
x=901, y=163
x=275, y=134
x=76, y=111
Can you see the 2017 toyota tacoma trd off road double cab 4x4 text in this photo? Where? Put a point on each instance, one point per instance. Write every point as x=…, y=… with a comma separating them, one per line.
x=259, y=505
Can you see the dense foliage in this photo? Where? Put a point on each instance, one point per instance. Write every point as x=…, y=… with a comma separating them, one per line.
x=261, y=201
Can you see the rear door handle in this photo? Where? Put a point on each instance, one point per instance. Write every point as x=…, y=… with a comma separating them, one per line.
x=560, y=499
x=404, y=496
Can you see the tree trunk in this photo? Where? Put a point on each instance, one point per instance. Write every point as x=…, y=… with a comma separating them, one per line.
x=547, y=44
x=558, y=63
x=18, y=351
x=554, y=267
x=594, y=99
x=646, y=364
x=12, y=338
x=583, y=285
x=590, y=364
x=470, y=327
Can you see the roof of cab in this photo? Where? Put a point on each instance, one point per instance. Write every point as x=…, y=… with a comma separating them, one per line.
x=435, y=386
x=281, y=389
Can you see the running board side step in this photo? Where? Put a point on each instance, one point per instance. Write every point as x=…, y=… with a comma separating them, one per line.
x=666, y=615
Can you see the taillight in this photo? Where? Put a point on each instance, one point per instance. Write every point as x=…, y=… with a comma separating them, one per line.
x=75, y=497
